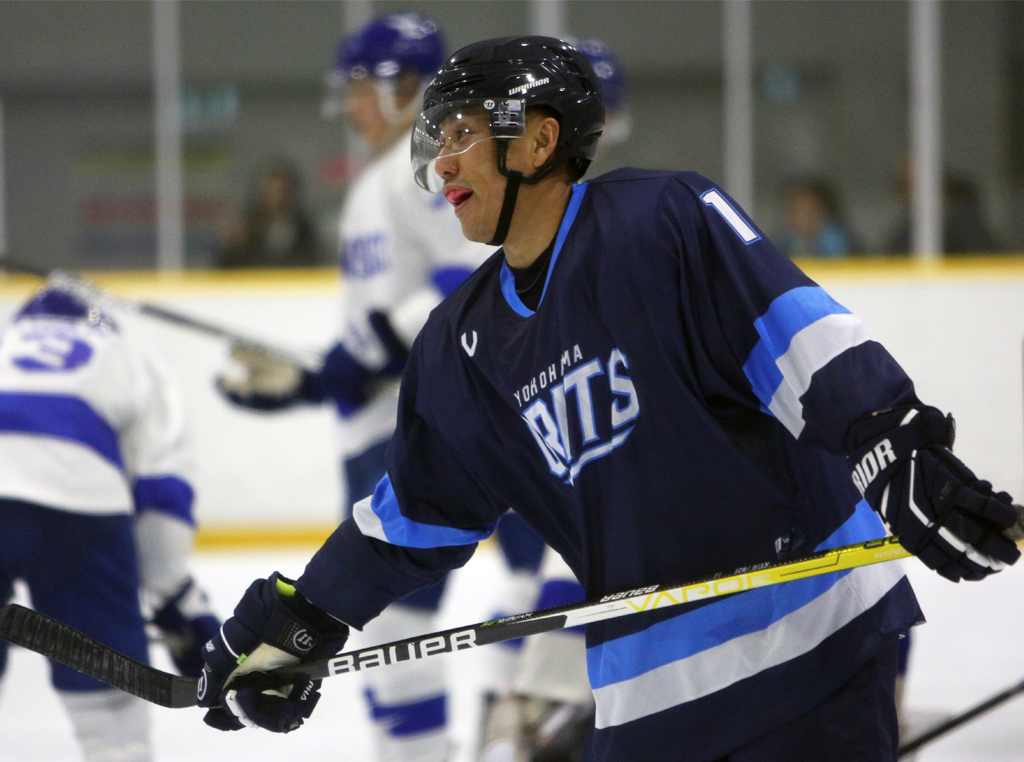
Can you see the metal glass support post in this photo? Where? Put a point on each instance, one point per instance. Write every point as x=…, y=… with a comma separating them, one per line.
x=547, y=17
x=3, y=185
x=170, y=222
x=925, y=130
x=738, y=96
x=356, y=14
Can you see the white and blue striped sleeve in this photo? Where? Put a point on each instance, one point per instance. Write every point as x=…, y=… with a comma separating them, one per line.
x=809, y=361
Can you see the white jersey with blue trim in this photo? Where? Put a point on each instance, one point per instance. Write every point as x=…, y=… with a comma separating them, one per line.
x=401, y=252
x=676, y=405
x=89, y=423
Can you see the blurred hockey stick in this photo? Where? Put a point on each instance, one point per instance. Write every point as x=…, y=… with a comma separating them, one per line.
x=92, y=293
x=57, y=641
x=954, y=722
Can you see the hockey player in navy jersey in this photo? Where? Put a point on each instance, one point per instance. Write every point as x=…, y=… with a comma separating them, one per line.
x=96, y=505
x=662, y=395
x=546, y=708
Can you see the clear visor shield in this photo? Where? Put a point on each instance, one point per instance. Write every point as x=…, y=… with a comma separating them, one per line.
x=450, y=130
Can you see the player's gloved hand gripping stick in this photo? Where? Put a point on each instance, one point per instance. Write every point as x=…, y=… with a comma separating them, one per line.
x=942, y=513
x=273, y=626
x=276, y=638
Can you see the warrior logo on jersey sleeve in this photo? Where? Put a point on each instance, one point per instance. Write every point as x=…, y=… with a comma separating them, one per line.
x=580, y=411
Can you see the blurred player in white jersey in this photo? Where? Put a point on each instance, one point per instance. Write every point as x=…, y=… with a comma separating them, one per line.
x=96, y=503
x=401, y=252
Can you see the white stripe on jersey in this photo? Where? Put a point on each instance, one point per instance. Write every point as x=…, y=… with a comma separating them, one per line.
x=811, y=350
x=369, y=523
x=61, y=474
x=719, y=667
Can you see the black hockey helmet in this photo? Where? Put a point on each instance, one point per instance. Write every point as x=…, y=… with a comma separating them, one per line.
x=502, y=78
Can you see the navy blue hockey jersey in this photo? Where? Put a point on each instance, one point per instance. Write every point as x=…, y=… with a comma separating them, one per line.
x=676, y=405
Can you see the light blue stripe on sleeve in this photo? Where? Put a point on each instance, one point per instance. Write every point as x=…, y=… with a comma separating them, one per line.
x=786, y=317
x=764, y=375
x=379, y=516
x=802, y=331
x=791, y=313
x=684, y=636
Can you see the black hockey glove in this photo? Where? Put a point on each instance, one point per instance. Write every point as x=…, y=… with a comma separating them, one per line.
x=273, y=626
x=942, y=513
x=347, y=382
x=187, y=623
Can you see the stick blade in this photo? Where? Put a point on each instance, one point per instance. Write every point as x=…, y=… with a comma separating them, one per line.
x=61, y=643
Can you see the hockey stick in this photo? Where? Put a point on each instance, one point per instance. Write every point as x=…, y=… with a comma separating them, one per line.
x=954, y=722
x=55, y=640
x=46, y=636
x=91, y=292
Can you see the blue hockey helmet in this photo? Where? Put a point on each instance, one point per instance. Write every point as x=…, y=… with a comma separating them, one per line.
x=58, y=301
x=386, y=47
x=390, y=45
x=609, y=70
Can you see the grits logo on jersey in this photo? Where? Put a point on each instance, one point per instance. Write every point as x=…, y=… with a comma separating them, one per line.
x=579, y=410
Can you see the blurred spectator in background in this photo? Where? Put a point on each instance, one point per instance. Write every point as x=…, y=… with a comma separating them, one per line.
x=965, y=224
x=274, y=229
x=814, y=224
x=96, y=505
x=965, y=228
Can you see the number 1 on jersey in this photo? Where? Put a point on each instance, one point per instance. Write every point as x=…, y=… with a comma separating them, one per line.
x=715, y=200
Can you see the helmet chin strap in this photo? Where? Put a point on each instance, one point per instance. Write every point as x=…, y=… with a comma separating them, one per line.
x=515, y=179
x=508, y=204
